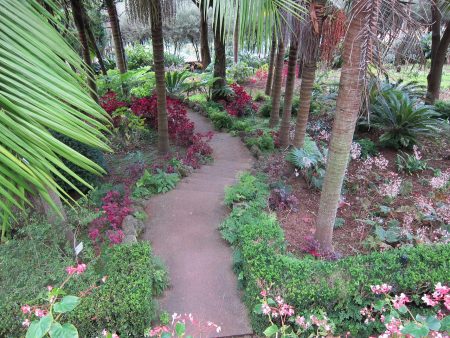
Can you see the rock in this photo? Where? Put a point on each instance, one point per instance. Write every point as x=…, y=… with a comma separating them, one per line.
x=256, y=151
x=129, y=239
x=129, y=225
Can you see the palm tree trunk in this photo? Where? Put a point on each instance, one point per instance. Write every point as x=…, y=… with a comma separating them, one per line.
x=117, y=36
x=309, y=65
x=306, y=88
x=94, y=46
x=435, y=76
x=236, y=37
x=273, y=50
x=347, y=108
x=219, y=61
x=158, y=55
x=204, y=41
x=300, y=67
x=277, y=84
x=289, y=92
x=77, y=12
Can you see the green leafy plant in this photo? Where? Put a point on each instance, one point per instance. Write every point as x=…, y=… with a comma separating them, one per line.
x=263, y=141
x=402, y=120
x=368, y=148
x=139, y=56
x=310, y=161
x=131, y=128
x=220, y=119
x=151, y=184
x=443, y=108
x=410, y=163
x=239, y=72
x=250, y=188
x=176, y=81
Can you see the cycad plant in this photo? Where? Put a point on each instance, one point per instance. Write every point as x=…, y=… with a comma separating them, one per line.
x=403, y=120
x=39, y=95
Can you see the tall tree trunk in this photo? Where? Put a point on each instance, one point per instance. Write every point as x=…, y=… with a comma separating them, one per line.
x=277, y=84
x=306, y=88
x=77, y=12
x=289, y=92
x=438, y=59
x=347, y=107
x=92, y=41
x=309, y=66
x=273, y=51
x=219, y=61
x=117, y=36
x=158, y=56
x=300, y=67
x=204, y=41
x=236, y=37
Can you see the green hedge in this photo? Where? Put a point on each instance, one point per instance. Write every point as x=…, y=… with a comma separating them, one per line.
x=341, y=288
x=38, y=257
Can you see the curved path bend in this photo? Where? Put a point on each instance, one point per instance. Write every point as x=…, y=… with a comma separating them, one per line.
x=182, y=228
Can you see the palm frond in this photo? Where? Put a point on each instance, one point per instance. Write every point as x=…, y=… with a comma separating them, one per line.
x=41, y=95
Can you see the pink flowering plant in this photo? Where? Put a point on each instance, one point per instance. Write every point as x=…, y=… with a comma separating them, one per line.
x=286, y=322
x=43, y=320
x=181, y=324
x=399, y=321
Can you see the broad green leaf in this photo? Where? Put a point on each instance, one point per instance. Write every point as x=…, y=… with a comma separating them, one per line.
x=39, y=329
x=415, y=330
x=445, y=323
x=66, y=330
x=67, y=304
x=403, y=309
x=271, y=330
x=433, y=323
x=166, y=335
x=258, y=309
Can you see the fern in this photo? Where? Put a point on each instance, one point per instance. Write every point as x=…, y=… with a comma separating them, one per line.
x=175, y=81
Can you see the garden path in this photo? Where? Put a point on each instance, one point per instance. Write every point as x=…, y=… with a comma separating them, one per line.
x=182, y=228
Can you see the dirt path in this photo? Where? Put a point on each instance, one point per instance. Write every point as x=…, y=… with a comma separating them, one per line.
x=182, y=228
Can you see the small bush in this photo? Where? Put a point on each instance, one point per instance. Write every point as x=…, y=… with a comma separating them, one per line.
x=264, y=142
x=124, y=304
x=443, y=108
x=239, y=72
x=240, y=125
x=250, y=188
x=172, y=60
x=152, y=184
x=368, y=148
x=265, y=109
x=403, y=121
x=138, y=56
x=220, y=119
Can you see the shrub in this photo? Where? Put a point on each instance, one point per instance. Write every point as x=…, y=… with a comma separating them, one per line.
x=263, y=140
x=124, y=304
x=239, y=72
x=443, y=108
x=241, y=103
x=402, y=121
x=410, y=163
x=172, y=60
x=110, y=104
x=240, y=125
x=220, y=119
x=181, y=129
x=265, y=109
x=152, y=184
x=340, y=288
x=175, y=81
x=138, y=56
x=249, y=189
x=368, y=148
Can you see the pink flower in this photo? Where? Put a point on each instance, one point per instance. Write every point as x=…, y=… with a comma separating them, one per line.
x=394, y=326
x=300, y=321
x=40, y=313
x=115, y=335
x=265, y=309
x=25, y=309
x=286, y=310
x=447, y=302
x=401, y=300
x=263, y=293
x=79, y=269
x=279, y=300
x=442, y=289
x=49, y=288
x=428, y=300
x=104, y=333
x=26, y=323
x=381, y=289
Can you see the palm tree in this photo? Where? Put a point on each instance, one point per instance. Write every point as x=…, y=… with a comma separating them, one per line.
x=143, y=10
x=219, y=60
x=273, y=51
x=77, y=12
x=289, y=91
x=439, y=48
x=117, y=36
x=41, y=95
x=205, y=54
x=311, y=34
x=277, y=83
x=236, y=36
x=92, y=42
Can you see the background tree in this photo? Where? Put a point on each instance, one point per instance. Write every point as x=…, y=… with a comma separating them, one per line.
x=440, y=43
x=78, y=17
x=273, y=52
x=117, y=36
x=277, y=83
x=92, y=42
x=290, y=86
x=311, y=34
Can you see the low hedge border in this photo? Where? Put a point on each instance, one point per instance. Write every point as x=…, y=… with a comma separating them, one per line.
x=340, y=288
